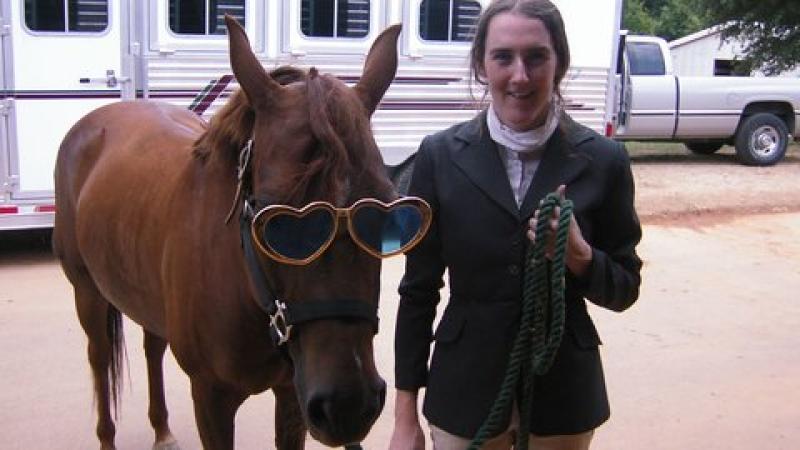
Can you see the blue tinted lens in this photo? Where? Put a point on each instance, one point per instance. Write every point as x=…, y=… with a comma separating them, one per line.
x=387, y=231
x=298, y=237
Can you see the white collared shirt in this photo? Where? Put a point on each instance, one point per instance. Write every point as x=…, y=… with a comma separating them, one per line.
x=520, y=167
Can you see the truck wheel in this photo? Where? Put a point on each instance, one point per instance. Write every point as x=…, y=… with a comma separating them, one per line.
x=761, y=140
x=703, y=148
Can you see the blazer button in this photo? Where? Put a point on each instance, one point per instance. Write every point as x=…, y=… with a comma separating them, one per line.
x=513, y=269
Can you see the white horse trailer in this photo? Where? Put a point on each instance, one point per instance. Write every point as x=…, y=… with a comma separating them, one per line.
x=59, y=59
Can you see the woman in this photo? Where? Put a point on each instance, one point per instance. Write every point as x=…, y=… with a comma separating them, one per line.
x=484, y=179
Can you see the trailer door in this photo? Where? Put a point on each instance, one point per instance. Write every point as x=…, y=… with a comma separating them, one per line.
x=4, y=33
x=4, y=65
x=4, y=101
x=66, y=61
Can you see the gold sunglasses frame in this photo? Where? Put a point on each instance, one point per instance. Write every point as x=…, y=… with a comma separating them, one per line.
x=263, y=216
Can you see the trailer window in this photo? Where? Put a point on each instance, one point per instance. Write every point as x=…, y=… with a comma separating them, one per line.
x=448, y=20
x=203, y=17
x=334, y=18
x=645, y=59
x=88, y=16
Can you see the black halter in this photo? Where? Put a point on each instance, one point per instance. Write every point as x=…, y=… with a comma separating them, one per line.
x=283, y=315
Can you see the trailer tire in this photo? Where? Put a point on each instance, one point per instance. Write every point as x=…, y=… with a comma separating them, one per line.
x=703, y=147
x=761, y=140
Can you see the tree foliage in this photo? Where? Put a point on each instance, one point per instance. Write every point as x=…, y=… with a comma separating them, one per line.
x=637, y=18
x=678, y=18
x=768, y=29
x=669, y=19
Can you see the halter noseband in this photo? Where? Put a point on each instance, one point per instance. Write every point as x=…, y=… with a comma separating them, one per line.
x=283, y=316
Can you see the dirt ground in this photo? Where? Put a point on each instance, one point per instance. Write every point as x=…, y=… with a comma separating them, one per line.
x=709, y=358
x=692, y=189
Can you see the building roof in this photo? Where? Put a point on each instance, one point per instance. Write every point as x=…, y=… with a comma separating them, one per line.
x=711, y=31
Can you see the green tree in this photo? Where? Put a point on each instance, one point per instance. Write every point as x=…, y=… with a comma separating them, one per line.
x=637, y=18
x=669, y=19
x=677, y=18
x=768, y=29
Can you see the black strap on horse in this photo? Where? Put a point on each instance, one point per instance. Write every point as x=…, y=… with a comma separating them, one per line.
x=541, y=326
x=283, y=316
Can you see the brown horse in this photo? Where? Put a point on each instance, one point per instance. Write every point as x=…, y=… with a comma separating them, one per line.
x=143, y=194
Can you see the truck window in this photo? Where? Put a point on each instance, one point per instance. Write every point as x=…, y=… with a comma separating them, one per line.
x=334, y=18
x=66, y=15
x=448, y=20
x=645, y=58
x=203, y=17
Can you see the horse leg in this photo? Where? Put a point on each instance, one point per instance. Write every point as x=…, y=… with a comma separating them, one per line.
x=214, y=411
x=102, y=324
x=154, y=348
x=290, y=430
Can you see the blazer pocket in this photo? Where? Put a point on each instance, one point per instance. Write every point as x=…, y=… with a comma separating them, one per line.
x=449, y=328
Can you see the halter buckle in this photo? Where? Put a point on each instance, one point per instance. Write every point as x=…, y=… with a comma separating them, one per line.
x=277, y=322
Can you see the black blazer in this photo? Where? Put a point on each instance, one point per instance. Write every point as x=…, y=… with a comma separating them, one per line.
x=478, y=236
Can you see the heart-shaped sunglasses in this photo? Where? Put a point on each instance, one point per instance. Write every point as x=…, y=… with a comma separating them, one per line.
x=298, y=236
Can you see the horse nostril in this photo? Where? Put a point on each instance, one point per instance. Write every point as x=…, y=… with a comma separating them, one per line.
x=319, y=411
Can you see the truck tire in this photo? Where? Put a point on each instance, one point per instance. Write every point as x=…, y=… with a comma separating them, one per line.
x=761, y=140
x=704, y=147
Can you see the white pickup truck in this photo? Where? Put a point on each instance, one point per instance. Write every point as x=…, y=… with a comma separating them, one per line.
x=759, y=115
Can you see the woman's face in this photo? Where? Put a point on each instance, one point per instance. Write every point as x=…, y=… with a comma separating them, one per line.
x=519, y=65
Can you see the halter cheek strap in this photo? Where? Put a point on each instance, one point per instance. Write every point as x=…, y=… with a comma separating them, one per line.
x=244, y=167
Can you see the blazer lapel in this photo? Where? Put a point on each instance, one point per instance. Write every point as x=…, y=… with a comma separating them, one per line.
x=560, y=164
x=480, y=162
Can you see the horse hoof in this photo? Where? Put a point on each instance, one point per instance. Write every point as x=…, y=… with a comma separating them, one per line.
x=170, y=444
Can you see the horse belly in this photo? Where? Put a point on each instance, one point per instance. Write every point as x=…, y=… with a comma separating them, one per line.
x=120, y=223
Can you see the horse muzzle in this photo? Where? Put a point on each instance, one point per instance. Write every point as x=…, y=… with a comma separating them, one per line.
x=345, y=415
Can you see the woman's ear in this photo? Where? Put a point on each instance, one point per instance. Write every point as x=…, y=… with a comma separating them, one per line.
x=481, y=72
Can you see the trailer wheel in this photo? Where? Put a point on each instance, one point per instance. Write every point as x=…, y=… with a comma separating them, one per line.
x=704, y=147
x=761, y=140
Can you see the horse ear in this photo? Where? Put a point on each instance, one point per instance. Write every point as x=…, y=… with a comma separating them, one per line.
x=257, y=85
x=379, y=68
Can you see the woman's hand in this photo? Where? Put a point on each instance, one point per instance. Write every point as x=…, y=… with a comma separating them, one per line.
x=578, y=253
x=407, y=433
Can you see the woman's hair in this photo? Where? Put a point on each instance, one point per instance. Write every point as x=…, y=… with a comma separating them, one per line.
x=543, y=10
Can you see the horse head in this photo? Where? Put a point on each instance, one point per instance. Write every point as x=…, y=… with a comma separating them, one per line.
x=312, y=155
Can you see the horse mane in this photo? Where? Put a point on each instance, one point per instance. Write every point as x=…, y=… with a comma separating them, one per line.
x=232, y=126
x=341, y=152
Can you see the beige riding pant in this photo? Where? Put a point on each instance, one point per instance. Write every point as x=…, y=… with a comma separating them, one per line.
x=443, y=440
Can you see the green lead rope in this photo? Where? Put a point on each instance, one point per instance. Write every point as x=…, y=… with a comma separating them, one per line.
x=541, y=325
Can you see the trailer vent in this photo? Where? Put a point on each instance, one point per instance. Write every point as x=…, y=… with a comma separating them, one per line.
x=334, y=18
x=88, y=15
x=67, y=15
x=193, y=17
x=448, y=20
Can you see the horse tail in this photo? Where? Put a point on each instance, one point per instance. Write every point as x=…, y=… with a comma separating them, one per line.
x=116, y=338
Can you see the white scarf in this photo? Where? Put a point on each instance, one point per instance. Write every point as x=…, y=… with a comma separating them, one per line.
x=523, y=141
